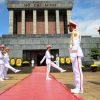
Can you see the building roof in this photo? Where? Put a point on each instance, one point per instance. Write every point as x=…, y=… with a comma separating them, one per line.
x=61, y=4
x=39, y=0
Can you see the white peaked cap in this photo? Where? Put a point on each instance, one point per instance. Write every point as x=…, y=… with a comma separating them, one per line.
x=72, y=23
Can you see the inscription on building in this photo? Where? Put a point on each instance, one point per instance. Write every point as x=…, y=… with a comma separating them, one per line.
x=39, y=4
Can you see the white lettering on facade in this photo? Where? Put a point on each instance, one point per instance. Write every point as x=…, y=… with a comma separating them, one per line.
x=39, y=4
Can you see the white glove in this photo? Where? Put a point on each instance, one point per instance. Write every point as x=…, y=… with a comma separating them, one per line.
x=40, y=62
x=52, y=56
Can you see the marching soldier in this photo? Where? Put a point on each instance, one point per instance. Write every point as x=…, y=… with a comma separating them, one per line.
x=2, y=67
x=7, y=65
x=49, y=63
x=76, y=54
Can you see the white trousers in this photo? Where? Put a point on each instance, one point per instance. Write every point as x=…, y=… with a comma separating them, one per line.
x=32, y=64
x=49, y=67
x=10, y=67
x=5, y=72
x=2, y=67
x=77, y=70
x=7, y=66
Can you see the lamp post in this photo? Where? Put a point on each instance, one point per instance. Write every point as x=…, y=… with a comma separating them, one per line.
x=99, y=30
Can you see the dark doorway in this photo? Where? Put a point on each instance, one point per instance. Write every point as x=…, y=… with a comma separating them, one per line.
x=39, y=58
x=37, y=55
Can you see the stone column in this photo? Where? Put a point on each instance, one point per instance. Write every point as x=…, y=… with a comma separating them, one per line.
x=23, y=21
x=11, y=21
x=65, y=23
x=57, y=22
x=68, y=13
x=34, y=21
x=46, y=21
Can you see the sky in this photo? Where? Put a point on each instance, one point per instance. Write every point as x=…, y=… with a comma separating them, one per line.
x=86, y=13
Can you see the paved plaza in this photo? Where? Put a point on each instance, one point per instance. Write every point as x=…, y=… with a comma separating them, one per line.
x=91, y=83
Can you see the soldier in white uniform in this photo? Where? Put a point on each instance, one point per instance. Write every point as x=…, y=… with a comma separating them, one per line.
x=76, y=54
x=7, y=65
x=1, y=63
x=32, y=62
x=57, y=60
x=49, y=63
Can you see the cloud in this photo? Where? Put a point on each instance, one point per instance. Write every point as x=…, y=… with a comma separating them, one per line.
x=87, y=15
x=89, y=27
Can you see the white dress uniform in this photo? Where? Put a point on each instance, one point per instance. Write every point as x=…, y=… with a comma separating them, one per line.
x=7, y=65
x=1, y=67
x=76, y=54
x=49, y=63
x=57, y=61
x=32, y=62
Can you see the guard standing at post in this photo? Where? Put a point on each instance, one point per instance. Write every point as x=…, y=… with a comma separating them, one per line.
x=57, y=60
x=76, y=54
x=32, y=62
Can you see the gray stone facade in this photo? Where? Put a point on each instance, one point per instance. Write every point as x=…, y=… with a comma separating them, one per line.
x=18, y=43
x=55, y=4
